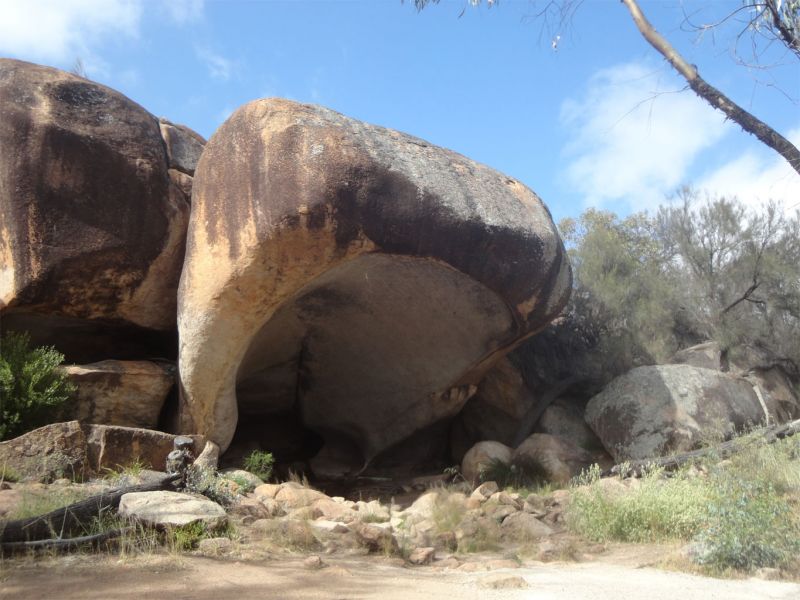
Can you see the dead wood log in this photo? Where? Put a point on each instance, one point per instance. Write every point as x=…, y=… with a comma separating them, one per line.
x=767, y=435
x=75, y=517
x=63, y=544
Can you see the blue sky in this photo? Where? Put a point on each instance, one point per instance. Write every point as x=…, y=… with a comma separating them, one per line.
x=597, y=122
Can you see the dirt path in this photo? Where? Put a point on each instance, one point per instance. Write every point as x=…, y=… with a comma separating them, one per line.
x=196, y=578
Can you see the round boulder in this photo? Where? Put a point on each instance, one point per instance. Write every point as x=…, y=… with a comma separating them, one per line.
x=359, y=277
x=481, y=456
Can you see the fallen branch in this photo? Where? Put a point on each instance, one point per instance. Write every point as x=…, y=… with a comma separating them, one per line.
x=768, y=435
x=59, y=522
x=65, y=543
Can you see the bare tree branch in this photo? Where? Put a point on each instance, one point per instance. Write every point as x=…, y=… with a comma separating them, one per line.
x=712, y=95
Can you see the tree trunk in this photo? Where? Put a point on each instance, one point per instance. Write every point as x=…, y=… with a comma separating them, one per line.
x=74, y=517
x=712, y=95
x=767, y=435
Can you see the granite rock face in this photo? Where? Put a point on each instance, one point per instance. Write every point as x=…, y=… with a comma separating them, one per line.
x=652, y=411
x=92, y=225
x=353, y=275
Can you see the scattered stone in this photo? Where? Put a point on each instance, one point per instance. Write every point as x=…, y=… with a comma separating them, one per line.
x=171, y=508
x=214, y=546
x=313, y=562
x=422, y=556
x=446, y=540
x=504, y=582
x=267, y=490
x=375, y=538
x=326, y=526
x=506, y=499
x=335, y=511
x=498, y=511
x=251, y=507
x=296, y=497
x=485, y=490
x=250, y=480
x=524, y=526
x=449, y=562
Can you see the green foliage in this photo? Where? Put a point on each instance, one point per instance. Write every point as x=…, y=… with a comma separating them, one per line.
x=749, y=525
x=512, y=476
x=32, y=391
x=742, y=515
x=646, y=286
x=186, y=537
x=259, y=463
x=8, y=473
x=655, y=509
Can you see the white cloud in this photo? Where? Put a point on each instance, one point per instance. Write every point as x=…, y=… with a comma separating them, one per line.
x=633, y=138
x=218, y=66
x=757, y=176
x=59, y=31
x=184, y=11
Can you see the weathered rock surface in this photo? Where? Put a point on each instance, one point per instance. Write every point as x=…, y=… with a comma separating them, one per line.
x=652, y=411
x=92, y=227
x=558, y=459
x=496, y=411
x=480, y=456
x=706, y=356
x=171, y=509
x=47, y=453
x=126, y=393
x=112, y=447
x=184, y=146
x=362, y=277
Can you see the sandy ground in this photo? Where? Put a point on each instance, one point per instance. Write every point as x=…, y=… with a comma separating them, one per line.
x=193, y=577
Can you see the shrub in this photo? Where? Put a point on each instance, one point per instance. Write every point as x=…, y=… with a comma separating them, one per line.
x=655, y=509
x=32, y=390
x=749, y=526
x=260, y=463
x=512, y=476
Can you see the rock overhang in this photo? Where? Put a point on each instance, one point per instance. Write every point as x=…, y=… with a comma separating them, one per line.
x=293, y=207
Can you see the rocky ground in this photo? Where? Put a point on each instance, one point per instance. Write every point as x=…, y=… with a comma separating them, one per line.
x=291, y=541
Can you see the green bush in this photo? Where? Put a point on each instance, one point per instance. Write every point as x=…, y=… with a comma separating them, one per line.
x=259, y=463
x=32, y=390
x=750, y=524
x=742, y=515
x=655, y=509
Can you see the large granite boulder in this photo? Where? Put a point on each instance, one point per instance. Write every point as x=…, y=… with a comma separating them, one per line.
x=653, y=411
x=354, y=275
x=114, y=392
x=92, y=224
x=171, y=509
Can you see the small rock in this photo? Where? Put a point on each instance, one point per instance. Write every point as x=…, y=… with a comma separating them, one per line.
x=313, y=562
x=422, y=556
x=504, y=582
x=524, y=526
x=267, y=490
x=446, y=540
x=485, y=490
x=171, y=508
x=329, y=526
x=498, y=513
x=251, y=507
x=250, y=481
x=450, y=562
x=506, y=499
x=375, y=538
x=214, y=546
